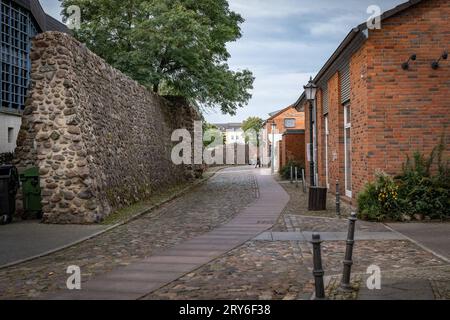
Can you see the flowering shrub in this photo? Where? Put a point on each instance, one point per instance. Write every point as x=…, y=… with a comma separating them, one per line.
x=417, y=192
x=380, y=199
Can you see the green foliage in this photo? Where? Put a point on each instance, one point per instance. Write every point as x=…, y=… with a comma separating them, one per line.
x=175, y=47
x=423, y=192
x=285, y=172
x=417, y=191
x=380, y=201
x=255, y=124
x=208, y=126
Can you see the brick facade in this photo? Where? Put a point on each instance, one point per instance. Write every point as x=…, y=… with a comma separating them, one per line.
x=394, y=112
x=288, y=113
x=279, y=118
x=292, y=147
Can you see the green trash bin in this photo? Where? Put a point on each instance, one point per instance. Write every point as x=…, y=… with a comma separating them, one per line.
x=31, y=192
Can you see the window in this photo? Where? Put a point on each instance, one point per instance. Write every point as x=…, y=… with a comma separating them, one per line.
x=348, y=150
x=10, y=135
x=17, y=27
x=289, y=123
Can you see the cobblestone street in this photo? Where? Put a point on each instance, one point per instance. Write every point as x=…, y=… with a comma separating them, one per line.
x=283, y=269
x=202, y=209
x=274, y=265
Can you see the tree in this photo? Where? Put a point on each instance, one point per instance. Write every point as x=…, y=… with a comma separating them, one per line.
x=175, y=47
x=256, y=124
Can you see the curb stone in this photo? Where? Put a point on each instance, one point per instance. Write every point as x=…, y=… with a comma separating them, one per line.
x=126, y=221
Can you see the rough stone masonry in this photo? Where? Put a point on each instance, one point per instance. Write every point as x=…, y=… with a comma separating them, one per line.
x=100, y=140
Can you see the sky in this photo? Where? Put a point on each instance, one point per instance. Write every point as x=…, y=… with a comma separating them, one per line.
x=284, y=42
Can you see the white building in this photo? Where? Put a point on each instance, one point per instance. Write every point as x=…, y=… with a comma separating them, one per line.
x=9, y=129
x=232, y=131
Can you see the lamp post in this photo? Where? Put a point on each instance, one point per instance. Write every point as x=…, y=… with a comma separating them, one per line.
x=274, y=126
x=310, y=92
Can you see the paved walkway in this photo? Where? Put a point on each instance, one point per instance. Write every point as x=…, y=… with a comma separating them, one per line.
x=141, y=278
x=433, y=236
x=306, y=236
x=29, y=239
x=202, y=209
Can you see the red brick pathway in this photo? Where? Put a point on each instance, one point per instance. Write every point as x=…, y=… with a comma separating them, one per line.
x=138, y=280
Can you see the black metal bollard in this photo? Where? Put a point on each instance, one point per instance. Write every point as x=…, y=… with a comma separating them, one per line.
x=318, y=269
x=348, y=262
x=338, y=200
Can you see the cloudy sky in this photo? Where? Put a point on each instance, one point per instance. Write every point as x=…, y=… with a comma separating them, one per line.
x=284, y=43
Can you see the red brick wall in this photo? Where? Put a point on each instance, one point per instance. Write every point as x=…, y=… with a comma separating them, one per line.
x=408, y=110
x=292, y=149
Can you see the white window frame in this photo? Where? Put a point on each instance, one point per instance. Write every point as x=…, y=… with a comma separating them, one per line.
x=327, y=134
x=290, y=119
x=347, y=126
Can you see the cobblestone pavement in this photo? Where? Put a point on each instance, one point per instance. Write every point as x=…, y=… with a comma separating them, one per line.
x=197, y=212
x=283, y=269
x=256, y=270
x=298, y=207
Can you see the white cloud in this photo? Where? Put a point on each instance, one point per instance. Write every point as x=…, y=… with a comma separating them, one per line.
x=335, y=25
x=272, y=91
x=267, y=8
x=52, y=7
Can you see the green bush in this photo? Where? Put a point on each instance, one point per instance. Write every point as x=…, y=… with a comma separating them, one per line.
x=421, y=191
x=380, y=199
x=417, y=191
x=285, y=172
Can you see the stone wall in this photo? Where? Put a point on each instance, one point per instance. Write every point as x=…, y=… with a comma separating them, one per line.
x=100, y=140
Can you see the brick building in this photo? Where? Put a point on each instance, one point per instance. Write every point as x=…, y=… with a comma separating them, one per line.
x=287, y=119
x=373, y=107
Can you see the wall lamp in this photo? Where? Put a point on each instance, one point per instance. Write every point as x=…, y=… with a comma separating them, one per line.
x=405, y=65
x=435, y=64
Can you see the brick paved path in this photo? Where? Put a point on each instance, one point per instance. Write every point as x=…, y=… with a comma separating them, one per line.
x=196, y=213
x=147, y=275
x=281, y=267
x=185, y=241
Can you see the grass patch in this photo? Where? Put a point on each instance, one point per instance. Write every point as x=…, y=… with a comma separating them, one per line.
x=157, y=199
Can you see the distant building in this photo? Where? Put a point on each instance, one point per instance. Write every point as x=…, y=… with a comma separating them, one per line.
x=232, y=131
x=20, y=20
x=286, y=120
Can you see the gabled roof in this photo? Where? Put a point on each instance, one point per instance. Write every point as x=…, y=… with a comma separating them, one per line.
x=354, y=33
x=44, y=21
x=275, y=114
